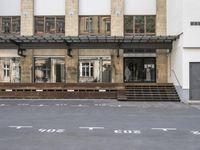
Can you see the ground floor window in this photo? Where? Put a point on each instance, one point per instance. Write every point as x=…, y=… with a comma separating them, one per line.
x=10, y=69
x=94, y=69
x=49, y=70
x=139, y=70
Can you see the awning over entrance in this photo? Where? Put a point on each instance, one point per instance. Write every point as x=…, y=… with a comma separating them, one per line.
x=86, y=42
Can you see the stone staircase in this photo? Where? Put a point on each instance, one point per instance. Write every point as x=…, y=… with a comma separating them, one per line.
x=148, y=92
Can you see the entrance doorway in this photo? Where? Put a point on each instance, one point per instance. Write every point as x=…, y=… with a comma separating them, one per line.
x=194, y=81
x=142, y=70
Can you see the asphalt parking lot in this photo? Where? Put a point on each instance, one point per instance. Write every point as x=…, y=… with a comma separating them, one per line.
x=98, y=125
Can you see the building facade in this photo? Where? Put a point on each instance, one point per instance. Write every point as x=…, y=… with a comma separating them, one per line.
x=106, y=41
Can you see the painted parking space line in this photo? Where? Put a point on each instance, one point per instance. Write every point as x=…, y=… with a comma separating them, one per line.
x=164, y=129
x=23, y=104
x=51, y=130
x=119, y=131
x=3, y=105
x=20, y=127
x=61, y=104
x=92, y=128
x=79, y=105
x=40, y=105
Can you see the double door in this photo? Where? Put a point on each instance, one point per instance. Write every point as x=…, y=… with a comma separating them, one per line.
x=139, y=70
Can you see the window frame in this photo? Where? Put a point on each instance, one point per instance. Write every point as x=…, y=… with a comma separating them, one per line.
x=83, y=25
x=11, y=25
x=145, y=25
x=51, y=30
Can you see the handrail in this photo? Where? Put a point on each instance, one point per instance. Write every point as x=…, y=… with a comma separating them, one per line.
x=176, y=78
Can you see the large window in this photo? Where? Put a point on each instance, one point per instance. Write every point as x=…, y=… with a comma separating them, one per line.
x=95, y=69
x=10, y=69
x=139, y=25
x=49, y=25
x=49, y=70
x=9, y=25
x=94, y=25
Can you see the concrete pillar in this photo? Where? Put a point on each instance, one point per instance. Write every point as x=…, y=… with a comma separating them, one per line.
x=71, y=18
x=161, y=55
x=117, y=18
x=117, y=66
x=72, y=67
x=27, y=17
x=26, y=67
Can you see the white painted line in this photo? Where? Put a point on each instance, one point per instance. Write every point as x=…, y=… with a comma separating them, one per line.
x=3, y=105
x=127, y=131
x=115, y=105
x=92, y=128
x=19, y=127
x=61, y=104
x=51, y=130
x=195, y=132
x=22, y=104
x=165, y=129
x=41, y=105
x=70, y=90
x=39, y=90
x=8, y=90
x=102, y=90
x=100, y=105
x=80, y=105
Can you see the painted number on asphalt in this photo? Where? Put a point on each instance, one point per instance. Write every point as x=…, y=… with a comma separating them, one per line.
x=51, y=130
x=127, y=131
x=196, y=132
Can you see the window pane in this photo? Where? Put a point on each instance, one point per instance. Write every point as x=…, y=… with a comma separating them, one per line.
x=16, y=24
x=139, y=24
x=60, y=25
x=39, y=25
x=104, y=25
x=150, y=24
x=50, y=25
x=128, y=24
x=6, y=24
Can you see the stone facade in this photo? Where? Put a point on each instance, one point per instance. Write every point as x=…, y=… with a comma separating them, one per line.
x=72, y=29
x=161, y=58
x=27, y=17
x=71, y=18
x=117, y=18
x=117, y=66
x=72, y=67
x=26, y=67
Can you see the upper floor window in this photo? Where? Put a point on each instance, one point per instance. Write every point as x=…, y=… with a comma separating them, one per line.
x=139, y=25
x=94, y=25
x=9, y=25
x=50, y=25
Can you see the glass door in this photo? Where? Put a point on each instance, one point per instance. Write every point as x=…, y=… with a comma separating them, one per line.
x=139, y=70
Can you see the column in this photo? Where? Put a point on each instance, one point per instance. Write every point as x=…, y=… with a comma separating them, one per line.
x=117, y=66
x=71, y=18
x=27, y=17
x=117, y=18
x=161, y=55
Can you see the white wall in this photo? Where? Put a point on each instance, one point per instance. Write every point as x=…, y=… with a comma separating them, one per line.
x=191, y=12
x=94, y=7
x=9, y=7
x=140, y=7
x=189, y=55
x=176, y=63
x=49, y=7
x=174, y=17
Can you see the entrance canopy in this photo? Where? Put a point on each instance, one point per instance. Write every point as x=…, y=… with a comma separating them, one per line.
x=86, y=42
